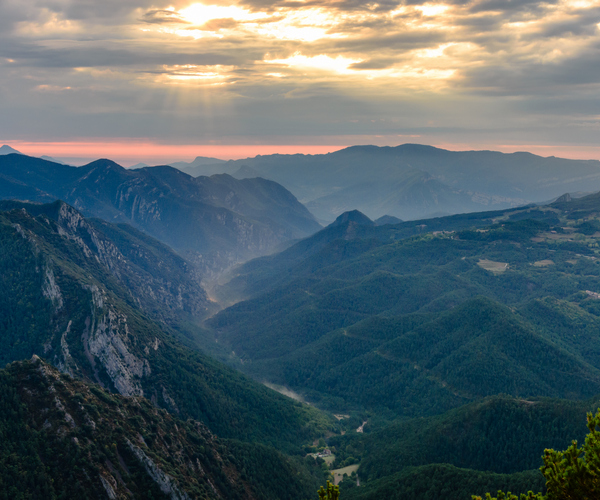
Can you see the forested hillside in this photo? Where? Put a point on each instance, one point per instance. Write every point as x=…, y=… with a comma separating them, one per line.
x=449, y=352
x=65, y=296
x=62, y=438
x=416, y=325
x=386, y=325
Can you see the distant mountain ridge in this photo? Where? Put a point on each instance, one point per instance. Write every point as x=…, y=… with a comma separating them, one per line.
x=7, y=150
x=413, y=181
x=214, y=222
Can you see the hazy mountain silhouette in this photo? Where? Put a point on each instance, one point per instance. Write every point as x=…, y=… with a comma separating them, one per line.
x=214, y=221
x=413, y=181
x=7, y=150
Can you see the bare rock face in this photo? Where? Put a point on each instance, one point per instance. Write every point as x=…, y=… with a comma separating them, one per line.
x=89, y=333
x=107, y=342
x=159, y=281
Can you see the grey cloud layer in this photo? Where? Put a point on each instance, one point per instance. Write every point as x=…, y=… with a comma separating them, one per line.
x=125, y=62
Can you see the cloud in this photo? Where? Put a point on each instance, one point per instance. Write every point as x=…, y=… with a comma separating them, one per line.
x=162, y=16
x=233, y=68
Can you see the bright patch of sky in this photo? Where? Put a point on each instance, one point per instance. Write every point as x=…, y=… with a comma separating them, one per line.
x=279, y=70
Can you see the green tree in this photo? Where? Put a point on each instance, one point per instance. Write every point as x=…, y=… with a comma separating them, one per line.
x=330, y=493
x=573, y=474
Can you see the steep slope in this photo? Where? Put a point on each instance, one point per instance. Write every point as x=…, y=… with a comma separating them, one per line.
x=323, y=248
x=413, y=366
x=62, y=438
x=415, y=181
x=214, y=222
x=159, y=281
x=62, y=298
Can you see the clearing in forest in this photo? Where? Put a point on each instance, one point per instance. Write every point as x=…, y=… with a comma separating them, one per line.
x=338, y=474
x=493, y=266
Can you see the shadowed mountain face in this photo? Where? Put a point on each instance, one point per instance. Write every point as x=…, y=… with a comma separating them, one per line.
x=64, y=438
x=86, y=296
x=413, y=181
x=495, y=443
x=214, y=222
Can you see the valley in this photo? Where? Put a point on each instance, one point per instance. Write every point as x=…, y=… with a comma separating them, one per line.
x=405, y=359
x=299, y=250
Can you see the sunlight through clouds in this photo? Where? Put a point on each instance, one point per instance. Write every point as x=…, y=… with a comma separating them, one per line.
x=200, y=14
x=321, y=62
x=251, y=54
x=432, y=9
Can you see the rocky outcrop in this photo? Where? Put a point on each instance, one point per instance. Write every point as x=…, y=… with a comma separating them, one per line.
x=107, y=341
x=51, y=290
x=164, y=481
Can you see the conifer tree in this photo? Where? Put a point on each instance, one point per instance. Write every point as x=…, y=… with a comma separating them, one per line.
x=573, y=474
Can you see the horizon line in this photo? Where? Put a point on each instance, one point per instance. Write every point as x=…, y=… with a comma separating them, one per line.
x=131, y=152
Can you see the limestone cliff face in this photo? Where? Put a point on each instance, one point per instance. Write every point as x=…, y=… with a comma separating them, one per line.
x=88, y=332
x=159, y=281
x=105, y=341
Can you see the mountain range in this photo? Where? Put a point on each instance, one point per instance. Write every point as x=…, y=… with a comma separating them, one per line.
x=212, y=221
x=438, y=357
x=89, y=304
x=414, y=181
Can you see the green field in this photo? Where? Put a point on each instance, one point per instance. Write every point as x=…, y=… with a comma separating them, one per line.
x=338, y=474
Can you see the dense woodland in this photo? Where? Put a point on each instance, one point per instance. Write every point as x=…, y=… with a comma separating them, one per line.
x=62, y=438
x=461, y=346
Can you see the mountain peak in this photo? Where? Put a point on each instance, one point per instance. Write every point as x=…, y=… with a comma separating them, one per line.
x=564, y=198
x=353, y=216
x=387, y=219
x=7, y=150
x=103, y=163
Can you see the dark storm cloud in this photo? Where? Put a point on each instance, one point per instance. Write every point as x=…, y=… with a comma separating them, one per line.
x=32, y=55
x=583, y=25
x=375, y=64
x=523, y=78
x=345, y=5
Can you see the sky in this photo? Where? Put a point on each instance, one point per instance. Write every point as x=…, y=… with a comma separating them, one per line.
x=152, y=80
